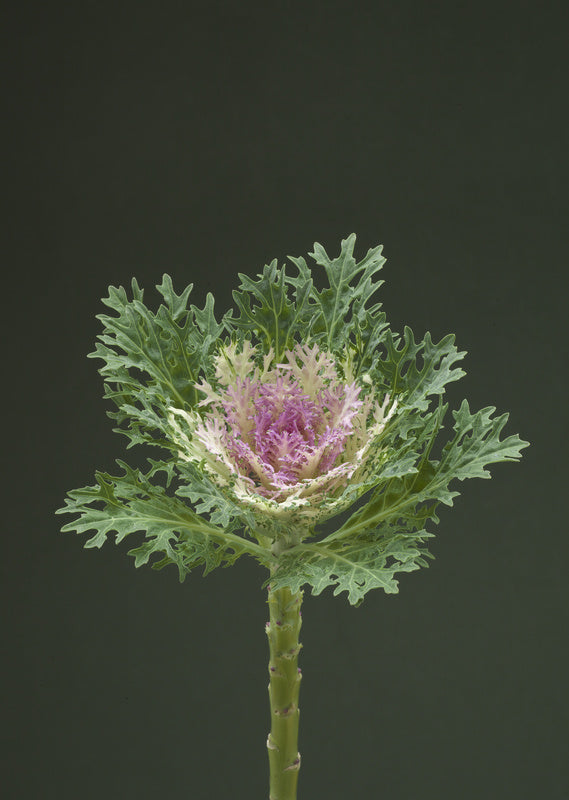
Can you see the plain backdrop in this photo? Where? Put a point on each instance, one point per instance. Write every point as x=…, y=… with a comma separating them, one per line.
x=205, y=139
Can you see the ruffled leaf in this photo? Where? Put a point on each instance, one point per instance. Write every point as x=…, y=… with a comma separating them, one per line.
x=475, y=445
x=153, y=360
x=266, y=310
x=355, y=566
x=131, y=503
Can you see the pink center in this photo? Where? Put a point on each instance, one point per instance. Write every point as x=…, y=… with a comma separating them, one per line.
x=277, y=435
x=292, y=428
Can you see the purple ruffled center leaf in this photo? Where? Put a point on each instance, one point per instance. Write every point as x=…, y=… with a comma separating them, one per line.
x=284, y=428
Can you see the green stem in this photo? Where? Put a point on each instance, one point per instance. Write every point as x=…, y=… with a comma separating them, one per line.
x=282, y=743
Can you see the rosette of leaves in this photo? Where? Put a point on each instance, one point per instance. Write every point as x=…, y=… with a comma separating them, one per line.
x=298, y=405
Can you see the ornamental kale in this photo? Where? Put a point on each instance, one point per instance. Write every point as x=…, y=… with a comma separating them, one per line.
x=300, y=406
x=295, y=407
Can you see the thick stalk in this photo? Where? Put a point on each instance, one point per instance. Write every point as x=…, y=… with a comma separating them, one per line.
x=282, y=744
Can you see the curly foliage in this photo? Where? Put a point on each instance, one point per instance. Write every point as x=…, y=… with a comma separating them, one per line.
x=152, y=362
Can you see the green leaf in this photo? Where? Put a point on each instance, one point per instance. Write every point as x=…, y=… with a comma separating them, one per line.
x=398, y=373
x=355, y=567
x=131, y=503
x=406, y=498
x=207, y=498
x=177, y=304
x=278, y=309
x=268, y=312
x=349, y=284
x=476, y=444
x=153, y=361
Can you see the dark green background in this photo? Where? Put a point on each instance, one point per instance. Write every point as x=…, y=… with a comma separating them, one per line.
x=206, y=139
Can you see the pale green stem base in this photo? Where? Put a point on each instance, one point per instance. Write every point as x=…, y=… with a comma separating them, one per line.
x=282, y=743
